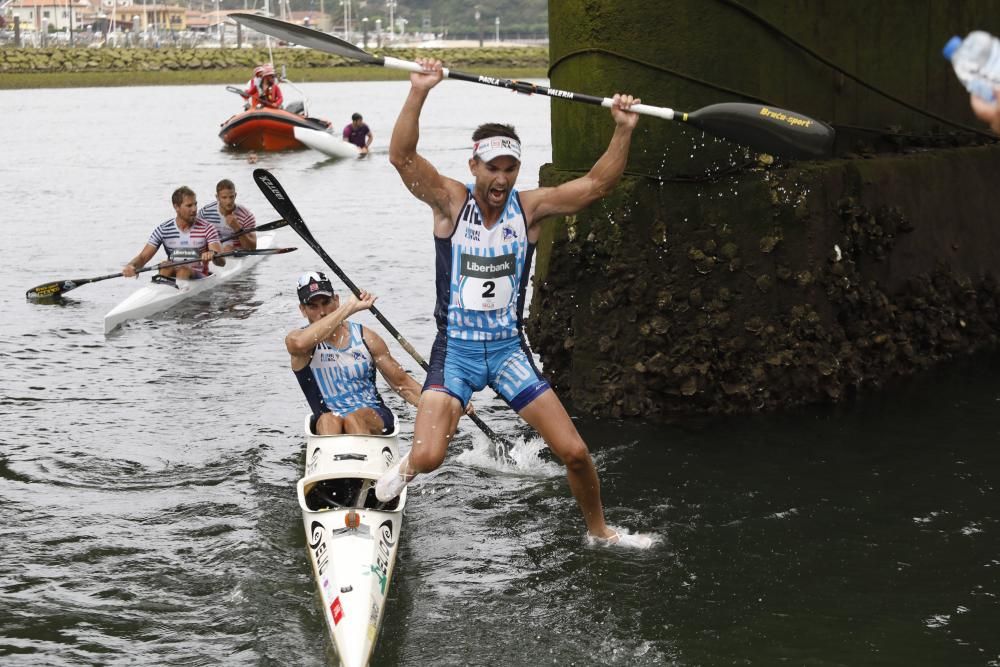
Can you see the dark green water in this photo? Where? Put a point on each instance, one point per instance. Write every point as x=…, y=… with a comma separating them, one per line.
x=147, y=503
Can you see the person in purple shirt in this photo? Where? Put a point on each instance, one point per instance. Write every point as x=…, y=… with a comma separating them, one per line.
x=359, y=134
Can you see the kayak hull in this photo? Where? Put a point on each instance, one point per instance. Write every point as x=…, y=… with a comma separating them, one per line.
x=326, y=143
x=156, y=297
x=351, y=538
x=268, y=130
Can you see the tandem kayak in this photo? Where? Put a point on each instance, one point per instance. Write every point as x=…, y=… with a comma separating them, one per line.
x=351, y=537
x=280, y=129
x=156, y=297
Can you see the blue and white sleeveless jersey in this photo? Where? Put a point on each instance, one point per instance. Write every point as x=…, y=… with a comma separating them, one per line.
x=482, y=274
x=183, y=244
x=345, y=377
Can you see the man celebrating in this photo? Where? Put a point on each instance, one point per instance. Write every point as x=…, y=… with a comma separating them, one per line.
x=334, y=361
x=485, y=235
x=230, y=218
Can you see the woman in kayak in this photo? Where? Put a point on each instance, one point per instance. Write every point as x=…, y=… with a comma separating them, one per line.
x=335, y=360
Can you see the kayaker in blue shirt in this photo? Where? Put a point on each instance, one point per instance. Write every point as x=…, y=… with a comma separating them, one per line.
x=484, y=236
x=335, y=360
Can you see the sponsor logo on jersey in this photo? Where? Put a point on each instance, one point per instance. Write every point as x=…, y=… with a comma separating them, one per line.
x=488, y=267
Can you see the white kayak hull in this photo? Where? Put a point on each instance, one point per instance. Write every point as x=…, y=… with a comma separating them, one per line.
x=156, y=297
x=352, y=566
x=326, y=143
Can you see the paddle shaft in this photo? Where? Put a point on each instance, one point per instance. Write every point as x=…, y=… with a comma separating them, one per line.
x=308, y=238
x=275, y=194
x=266, y=227
x=763, y=128
x=60, y=287
x=767, y=129
x=526, y=88
x=234, y=89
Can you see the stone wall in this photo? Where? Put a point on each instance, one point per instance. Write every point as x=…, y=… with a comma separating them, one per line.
x=69, y=59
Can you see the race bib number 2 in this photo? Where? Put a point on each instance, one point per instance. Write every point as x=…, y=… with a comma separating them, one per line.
x=487, y=283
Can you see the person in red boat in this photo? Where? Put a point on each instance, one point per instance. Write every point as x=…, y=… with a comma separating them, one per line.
x=263, y=90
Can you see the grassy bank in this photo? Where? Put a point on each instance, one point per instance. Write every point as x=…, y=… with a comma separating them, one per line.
x=229, y=76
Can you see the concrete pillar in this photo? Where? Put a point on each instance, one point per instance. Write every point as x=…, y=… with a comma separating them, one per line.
x=709, y=281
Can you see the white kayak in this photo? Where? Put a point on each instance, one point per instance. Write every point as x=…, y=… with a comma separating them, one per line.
x=351, y=538
x=326, y=143
x=156, y=297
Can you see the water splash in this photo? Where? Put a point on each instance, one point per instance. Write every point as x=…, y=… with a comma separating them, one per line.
x=626, y=540
x=524, y=457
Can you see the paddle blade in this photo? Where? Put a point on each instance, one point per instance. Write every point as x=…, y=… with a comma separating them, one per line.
x=765, y=129
x=268, y=226
x=275, y=194
x=296, y=34
x=50, y=290
x=264, y=251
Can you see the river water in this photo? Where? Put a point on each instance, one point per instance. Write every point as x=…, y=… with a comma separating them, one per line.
x=147, y=501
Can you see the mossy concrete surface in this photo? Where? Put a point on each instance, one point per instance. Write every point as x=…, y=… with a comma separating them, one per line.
x=715, y=281
x=687, y=54
x=771, y=287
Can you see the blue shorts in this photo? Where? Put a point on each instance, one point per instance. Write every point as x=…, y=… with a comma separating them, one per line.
x=461, y=367
x=388, y=419
x=387, y=416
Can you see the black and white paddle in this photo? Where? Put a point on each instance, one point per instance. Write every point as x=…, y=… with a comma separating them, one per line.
x=763, y=128
x=275, y=193
x=57, y=288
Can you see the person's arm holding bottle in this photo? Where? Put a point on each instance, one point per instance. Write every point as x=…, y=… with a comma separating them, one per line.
x=988, y=112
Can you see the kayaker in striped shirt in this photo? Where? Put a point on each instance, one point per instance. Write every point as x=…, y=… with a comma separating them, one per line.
x=230, y=218
x=185, y=236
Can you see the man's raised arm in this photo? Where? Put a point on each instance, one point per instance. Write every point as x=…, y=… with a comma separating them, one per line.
x=420, y=176
x=580, y=193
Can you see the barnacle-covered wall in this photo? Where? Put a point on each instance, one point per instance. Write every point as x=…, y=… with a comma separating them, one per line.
x=770, y=288
x=718, y=280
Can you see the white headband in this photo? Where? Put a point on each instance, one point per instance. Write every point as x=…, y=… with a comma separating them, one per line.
x=491, y=148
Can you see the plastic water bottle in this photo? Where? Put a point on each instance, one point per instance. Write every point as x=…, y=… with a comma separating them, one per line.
x=976, y=60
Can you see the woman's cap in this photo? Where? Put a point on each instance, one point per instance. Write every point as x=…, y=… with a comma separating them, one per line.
x=313, y=283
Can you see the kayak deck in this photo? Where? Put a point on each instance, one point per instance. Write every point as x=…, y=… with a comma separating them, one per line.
x=351, y=538
x=157, y=297
x=327, y=143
